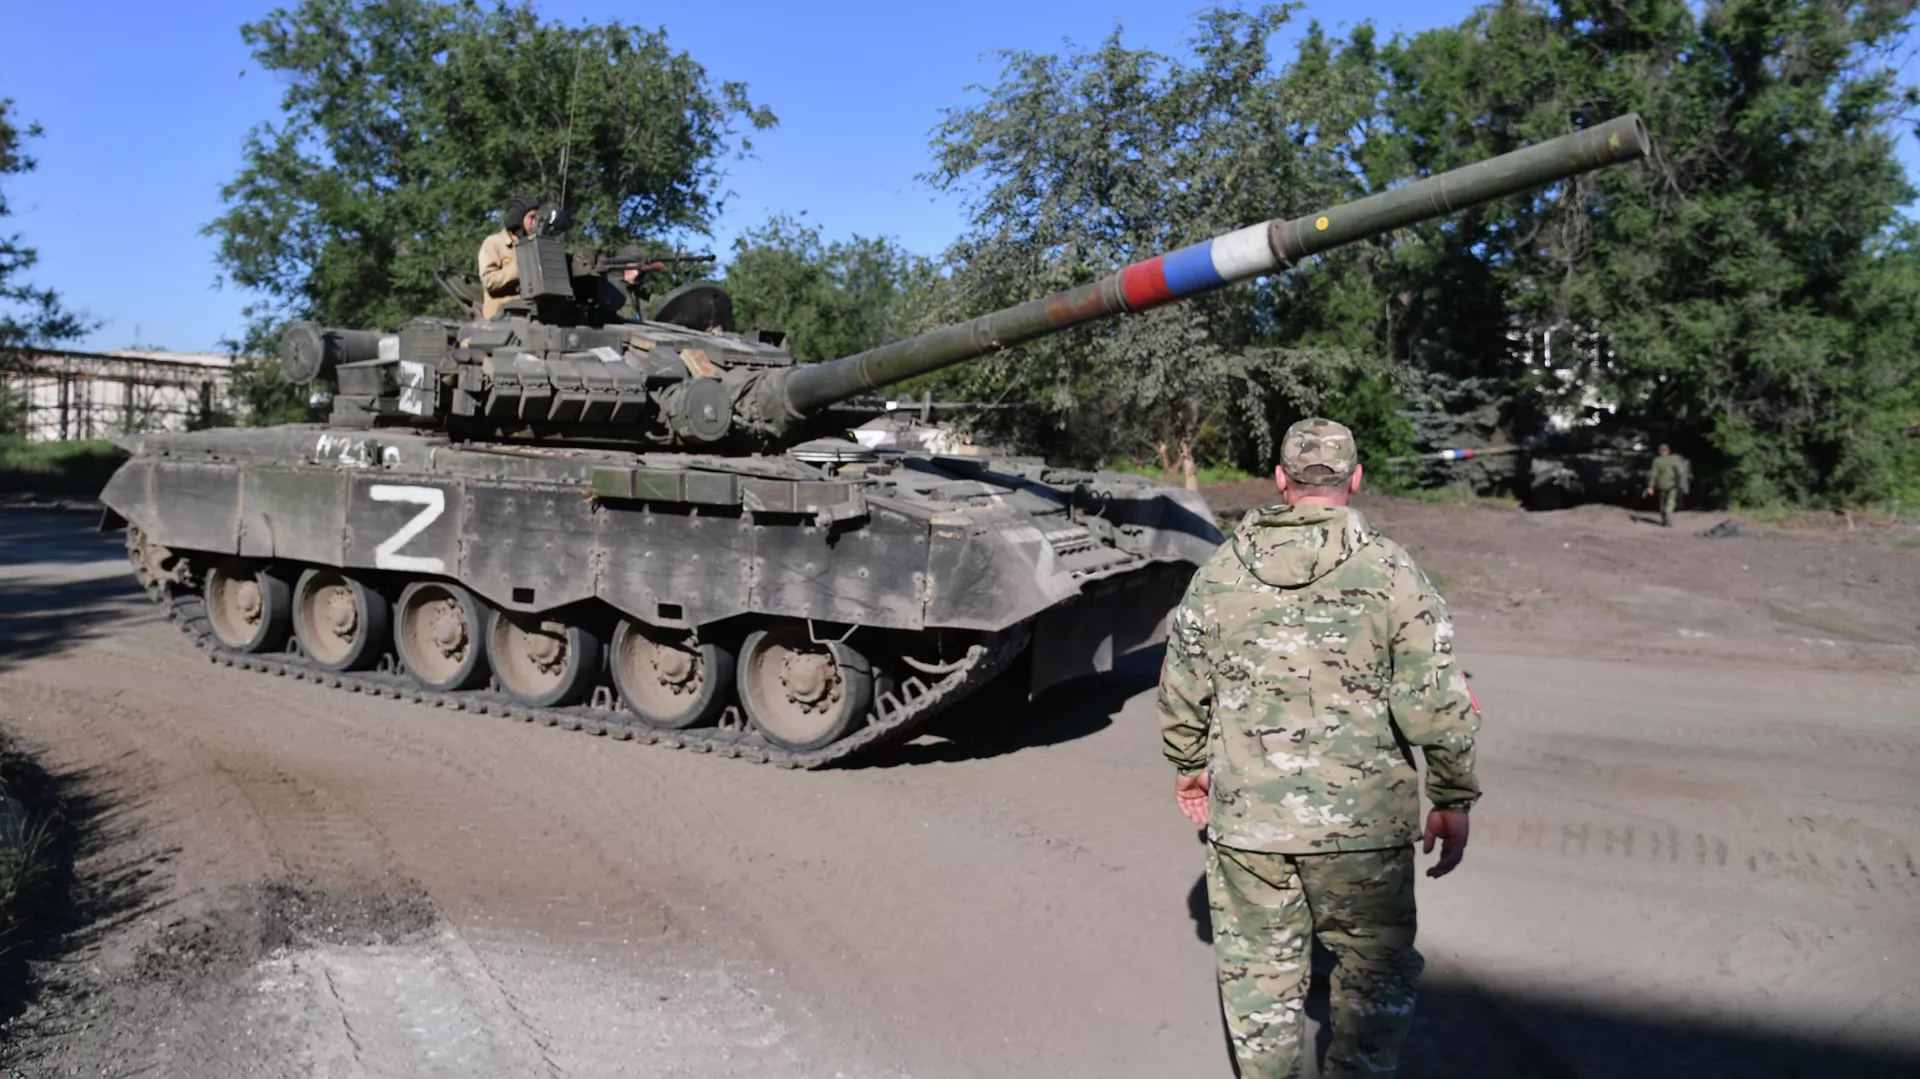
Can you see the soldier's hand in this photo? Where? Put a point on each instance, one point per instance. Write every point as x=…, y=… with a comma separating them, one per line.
x=1451, y=830
x=1649, y=493
x=1191, y=793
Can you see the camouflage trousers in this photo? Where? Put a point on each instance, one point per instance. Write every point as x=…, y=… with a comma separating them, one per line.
x=1267, y=908
x=1669, y=498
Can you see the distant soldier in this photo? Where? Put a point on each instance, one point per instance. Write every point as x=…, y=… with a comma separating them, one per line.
x=1309, y=655
x=1669, y=478
x=627, y=280
x=499, y=277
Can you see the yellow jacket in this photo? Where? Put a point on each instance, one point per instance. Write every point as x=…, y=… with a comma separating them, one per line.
x=499, y=277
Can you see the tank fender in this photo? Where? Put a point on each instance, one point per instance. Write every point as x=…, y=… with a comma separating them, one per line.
x=673, y=566
x=985, y=575
x=1173, y=524
x=1115, y=617
x=128, y=495
x=201, y=510
x=872, y=570
x=526, y=547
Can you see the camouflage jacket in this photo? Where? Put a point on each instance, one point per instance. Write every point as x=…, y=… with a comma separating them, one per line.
x=1309, y=655
x=1669, y=472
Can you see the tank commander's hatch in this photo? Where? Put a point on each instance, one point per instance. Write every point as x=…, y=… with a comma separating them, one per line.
x=462, y=288
x=701, y=305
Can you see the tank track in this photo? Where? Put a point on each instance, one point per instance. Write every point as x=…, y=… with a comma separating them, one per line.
x=895, y=715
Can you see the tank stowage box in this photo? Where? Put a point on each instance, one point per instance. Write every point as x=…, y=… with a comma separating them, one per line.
x=658, y=529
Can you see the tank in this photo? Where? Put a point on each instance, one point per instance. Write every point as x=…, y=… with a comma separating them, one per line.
x=660, y=530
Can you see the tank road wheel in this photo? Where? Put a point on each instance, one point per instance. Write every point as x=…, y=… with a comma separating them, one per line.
x=800, y=693
x=341, y=622
x=668, y=679
x=540, y=661
x=440, y=633
x=249, y=608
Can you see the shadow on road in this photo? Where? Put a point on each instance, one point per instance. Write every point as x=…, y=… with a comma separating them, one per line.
x=1000, y=720
x=31, y=535
x=59, y=580
x=1463, y=1028
x=65, y=913
x=39, y=618
x=1198, y=910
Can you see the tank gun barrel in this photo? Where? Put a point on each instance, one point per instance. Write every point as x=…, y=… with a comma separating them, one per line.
x=1203, y=267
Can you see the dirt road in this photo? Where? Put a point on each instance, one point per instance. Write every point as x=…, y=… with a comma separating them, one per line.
x=1686, y=865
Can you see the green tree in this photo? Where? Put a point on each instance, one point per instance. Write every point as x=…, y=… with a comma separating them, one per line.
x=262, y=396
x=833, y=299
x=1735, y=290
x=30, y=317
x=407, y=123
x=1077, y=164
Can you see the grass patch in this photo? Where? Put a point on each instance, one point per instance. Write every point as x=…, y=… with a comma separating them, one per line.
x=27, y=857
x=24, y=871
x=1458, y=494
x=1769, y=514
x=69, y=469
x=1204, y=473
x=1906, y=508
x=17, y=452
x=1907, y=544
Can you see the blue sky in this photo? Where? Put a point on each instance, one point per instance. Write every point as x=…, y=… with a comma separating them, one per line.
x=145, y=107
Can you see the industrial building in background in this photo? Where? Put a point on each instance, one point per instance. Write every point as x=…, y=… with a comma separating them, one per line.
x=62, y=396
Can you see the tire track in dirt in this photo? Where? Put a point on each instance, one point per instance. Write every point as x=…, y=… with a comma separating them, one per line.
x=372, y=756
x=313, y=835
x=1843, y=868
x=336, y=795
x=429, y=776
x=1757, y=736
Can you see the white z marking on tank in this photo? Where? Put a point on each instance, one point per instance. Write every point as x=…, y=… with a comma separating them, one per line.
x=432, y=502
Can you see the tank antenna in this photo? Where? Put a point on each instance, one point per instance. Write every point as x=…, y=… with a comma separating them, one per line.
x=573, y=98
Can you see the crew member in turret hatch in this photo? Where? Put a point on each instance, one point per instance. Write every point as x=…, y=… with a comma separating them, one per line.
x=499, y=277
x=633, y=294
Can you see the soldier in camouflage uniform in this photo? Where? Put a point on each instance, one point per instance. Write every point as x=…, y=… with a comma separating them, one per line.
x=1668, y=478
x=1309, y=655
x=626, y=279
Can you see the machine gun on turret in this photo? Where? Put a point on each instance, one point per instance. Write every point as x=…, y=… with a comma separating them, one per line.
x=645, y=262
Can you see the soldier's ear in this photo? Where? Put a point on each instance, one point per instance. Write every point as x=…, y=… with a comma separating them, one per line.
x=1280, y=480
x=1353, y=483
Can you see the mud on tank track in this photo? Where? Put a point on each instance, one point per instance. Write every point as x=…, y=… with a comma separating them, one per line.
x=896, y=713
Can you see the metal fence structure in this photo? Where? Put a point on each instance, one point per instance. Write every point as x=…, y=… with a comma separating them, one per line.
x=59, y=395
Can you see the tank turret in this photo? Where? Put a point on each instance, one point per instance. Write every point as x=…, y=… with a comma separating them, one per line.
x=558, y=365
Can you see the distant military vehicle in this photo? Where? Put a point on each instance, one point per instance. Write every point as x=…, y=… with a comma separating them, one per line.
x=654, y=529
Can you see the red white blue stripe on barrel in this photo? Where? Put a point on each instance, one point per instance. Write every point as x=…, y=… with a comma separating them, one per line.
x=1202, y=267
